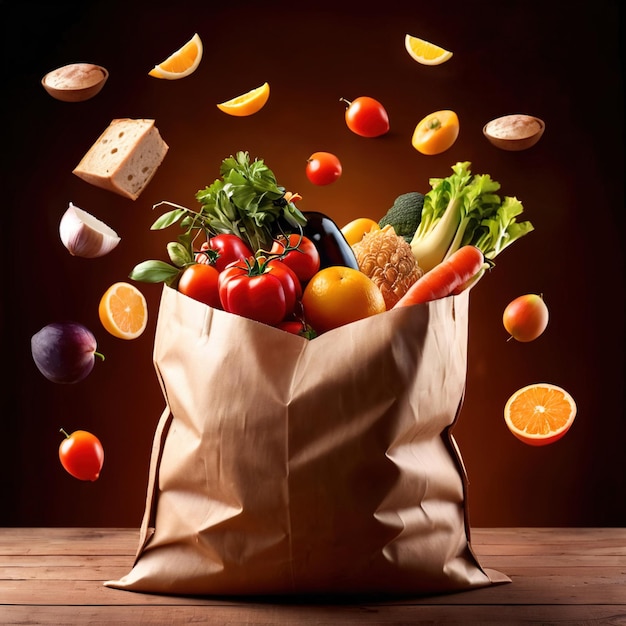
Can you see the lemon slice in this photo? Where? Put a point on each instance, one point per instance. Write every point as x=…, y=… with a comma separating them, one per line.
x=181, y=63
x=248, y=103
x=425, y=52
x=123, y=311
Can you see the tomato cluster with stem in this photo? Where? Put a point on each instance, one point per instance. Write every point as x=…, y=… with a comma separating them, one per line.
x=260, y=289
x=266, y=286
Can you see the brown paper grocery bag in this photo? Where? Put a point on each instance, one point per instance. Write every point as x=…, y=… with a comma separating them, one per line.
x=287, y=466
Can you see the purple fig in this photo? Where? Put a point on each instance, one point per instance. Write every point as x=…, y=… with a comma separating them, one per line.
x=64, y=352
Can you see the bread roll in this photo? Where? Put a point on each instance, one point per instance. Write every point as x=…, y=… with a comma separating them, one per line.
x=124, y=158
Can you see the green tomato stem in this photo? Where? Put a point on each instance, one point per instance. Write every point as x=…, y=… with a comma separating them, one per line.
x=62, y=430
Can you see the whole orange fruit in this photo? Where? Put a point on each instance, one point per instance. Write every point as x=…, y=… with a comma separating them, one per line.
x=339, y=295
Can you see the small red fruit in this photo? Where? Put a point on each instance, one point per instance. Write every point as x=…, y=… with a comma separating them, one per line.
x=366, y=117
x=82, y=455
x=526, y=317
x=323, y=168
x=199, y=281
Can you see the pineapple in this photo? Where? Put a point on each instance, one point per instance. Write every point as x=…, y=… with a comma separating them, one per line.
x=388, y=260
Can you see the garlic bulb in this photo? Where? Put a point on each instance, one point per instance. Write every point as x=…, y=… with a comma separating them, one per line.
x=84, y=235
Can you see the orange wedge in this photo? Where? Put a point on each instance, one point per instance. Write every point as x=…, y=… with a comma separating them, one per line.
x=123, y=311
x=425, y=52
x=182, y=62
x=540, y=414
x=248, y=103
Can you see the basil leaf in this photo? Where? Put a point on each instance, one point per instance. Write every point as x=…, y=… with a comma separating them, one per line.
x=154, y=272
x=167, y=219
x=179, y=254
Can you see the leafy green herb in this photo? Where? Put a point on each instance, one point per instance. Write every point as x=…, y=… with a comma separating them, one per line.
x=465, y=209
x=246, y=201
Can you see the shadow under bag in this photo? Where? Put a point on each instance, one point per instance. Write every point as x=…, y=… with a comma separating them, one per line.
x=287, y=466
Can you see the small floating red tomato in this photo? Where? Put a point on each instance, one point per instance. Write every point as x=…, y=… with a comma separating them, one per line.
x=82, y=455
x=366, y=117
x=323, y=168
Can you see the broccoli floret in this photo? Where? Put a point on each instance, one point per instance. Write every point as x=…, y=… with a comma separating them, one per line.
x=405, y=214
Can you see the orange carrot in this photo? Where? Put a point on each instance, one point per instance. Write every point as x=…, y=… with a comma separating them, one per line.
x=444, y=278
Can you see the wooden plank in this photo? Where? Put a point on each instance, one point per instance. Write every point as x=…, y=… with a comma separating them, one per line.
x=504, y=561
x=461, y=615
x=103, y=541
x=549, y=550
x=552, y=533
x=492, y=561
x=538, y=542
x=485, y=541
x=489, y=539
x=560, y=589
x=64, y=560
x=100, y=572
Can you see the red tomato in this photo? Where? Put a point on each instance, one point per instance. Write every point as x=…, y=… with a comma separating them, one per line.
x=200, y=282
x=323, y=168
x=366, y=117
x=297, y=327
x=229, y=248
x=260, y=297
x=82, y=455
x=291, y=283
x=292, y=326
x=303, y=259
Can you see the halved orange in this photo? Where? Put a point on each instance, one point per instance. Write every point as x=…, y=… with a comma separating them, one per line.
x=247, y=103
x=182, y=62
x=540, y=413
x=425, y=52
x=123, y=311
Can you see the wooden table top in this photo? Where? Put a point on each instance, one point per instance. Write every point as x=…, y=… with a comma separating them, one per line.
x=559, y=575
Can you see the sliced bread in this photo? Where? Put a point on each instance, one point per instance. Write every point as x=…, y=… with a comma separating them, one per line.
x=124, y=158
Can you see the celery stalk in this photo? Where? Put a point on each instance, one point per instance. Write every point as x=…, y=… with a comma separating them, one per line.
x=465, y=209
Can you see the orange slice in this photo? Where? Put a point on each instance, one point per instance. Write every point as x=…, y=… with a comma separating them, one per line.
x=248, y=103
x=540, y=414
x=425, y=52
x=123, y=311
x=182, y=62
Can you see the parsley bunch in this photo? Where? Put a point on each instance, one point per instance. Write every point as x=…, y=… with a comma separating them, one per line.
x=247, y=201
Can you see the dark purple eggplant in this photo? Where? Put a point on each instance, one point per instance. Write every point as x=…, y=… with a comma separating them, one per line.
x=329, y=241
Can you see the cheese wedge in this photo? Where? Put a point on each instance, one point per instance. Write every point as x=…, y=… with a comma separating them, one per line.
x=124, y=158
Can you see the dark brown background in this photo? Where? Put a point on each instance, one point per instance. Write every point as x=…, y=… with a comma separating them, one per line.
x=558, y=61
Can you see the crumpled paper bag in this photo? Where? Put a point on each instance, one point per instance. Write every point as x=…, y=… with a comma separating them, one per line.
x=287, y=466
